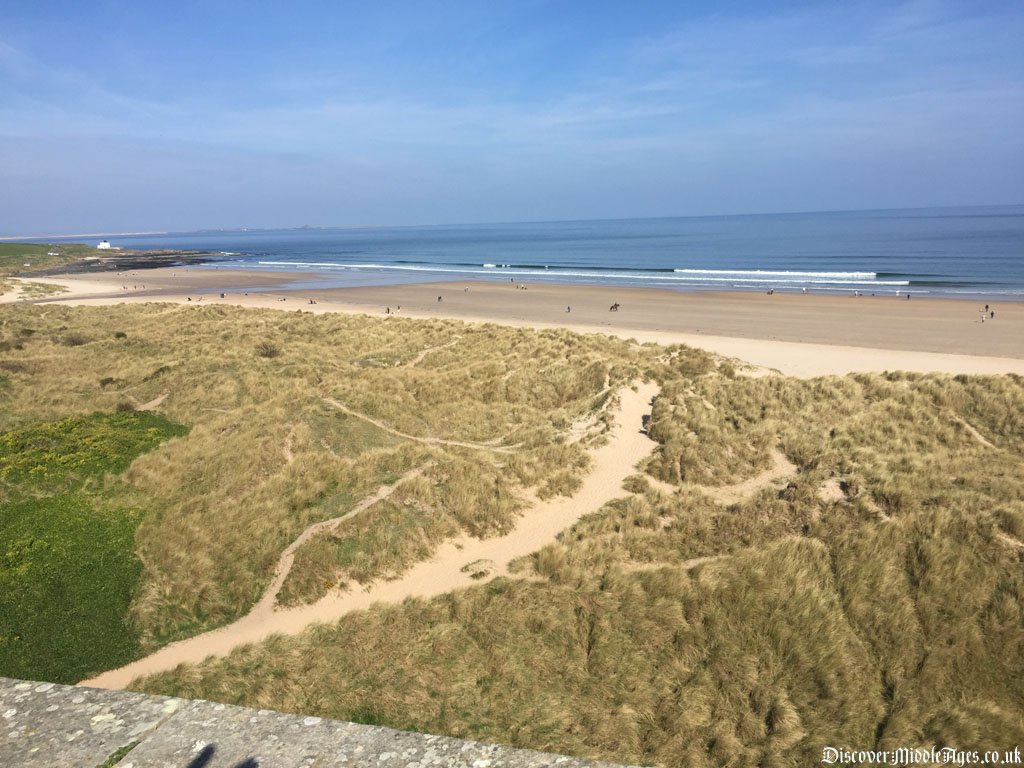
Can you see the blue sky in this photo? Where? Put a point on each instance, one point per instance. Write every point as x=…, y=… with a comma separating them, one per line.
x=123, y=116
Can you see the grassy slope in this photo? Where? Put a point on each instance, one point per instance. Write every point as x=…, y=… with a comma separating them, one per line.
x=14, y=256
x=226, y=500
x=893, y=616
x=67, y=565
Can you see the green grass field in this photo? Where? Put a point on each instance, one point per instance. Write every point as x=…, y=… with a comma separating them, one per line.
x=68, y=570
x=55, y=456
x=68, y=575
x=15, y=256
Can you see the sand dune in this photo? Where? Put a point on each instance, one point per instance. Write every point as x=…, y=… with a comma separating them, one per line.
x=445, y=571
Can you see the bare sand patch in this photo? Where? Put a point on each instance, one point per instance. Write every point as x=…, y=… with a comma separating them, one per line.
x=1011, y=541
x=155, y=403
x=973, y=432
x=831, y=490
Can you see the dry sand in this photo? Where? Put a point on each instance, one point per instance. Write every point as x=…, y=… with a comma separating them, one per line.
x=444, y=572
x=794, y=334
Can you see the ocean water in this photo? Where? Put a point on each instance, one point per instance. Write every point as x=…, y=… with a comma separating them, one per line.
x=975, y=252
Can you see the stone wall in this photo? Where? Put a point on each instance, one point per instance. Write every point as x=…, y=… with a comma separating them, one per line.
x=43, y=725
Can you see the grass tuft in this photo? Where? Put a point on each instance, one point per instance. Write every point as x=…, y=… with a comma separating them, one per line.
x=267, y=349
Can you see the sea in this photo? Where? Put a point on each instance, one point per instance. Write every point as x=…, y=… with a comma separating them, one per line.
x=967, y=252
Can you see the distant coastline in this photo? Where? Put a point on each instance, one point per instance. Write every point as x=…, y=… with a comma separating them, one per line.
x=55, y=236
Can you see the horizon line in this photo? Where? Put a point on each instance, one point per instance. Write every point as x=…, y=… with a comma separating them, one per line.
x=237, y=229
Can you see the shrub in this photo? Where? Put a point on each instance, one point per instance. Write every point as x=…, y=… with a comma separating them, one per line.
x=158, y=372
x=267, y=349
x=74, y=339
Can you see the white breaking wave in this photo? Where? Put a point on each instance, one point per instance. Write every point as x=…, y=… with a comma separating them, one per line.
x=781, y=273
x=706, y=277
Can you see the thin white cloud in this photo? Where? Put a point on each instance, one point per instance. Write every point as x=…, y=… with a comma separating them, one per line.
x=712, y=99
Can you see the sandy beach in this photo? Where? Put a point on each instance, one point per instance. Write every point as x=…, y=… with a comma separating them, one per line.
x=800, y=335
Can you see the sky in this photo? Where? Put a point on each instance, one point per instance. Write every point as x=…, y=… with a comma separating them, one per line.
x=136, y=116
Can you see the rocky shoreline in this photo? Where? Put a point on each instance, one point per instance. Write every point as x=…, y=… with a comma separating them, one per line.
x=127, y=261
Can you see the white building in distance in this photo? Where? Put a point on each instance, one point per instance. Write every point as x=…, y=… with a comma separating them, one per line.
x=104, y=245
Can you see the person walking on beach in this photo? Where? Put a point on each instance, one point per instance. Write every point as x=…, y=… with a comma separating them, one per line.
x=438, y=299
x=568, y=309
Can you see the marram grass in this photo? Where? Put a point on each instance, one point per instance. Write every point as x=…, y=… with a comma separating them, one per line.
x=665, y=628
x=267, y=454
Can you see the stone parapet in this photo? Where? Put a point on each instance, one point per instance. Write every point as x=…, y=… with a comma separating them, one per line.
x=44, y=725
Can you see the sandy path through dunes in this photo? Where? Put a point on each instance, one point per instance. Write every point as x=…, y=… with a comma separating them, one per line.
x=429, y=350
x=267, y=603
x=490, y=446
x=780, y=469
x=155, y=403
x=611, y=464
